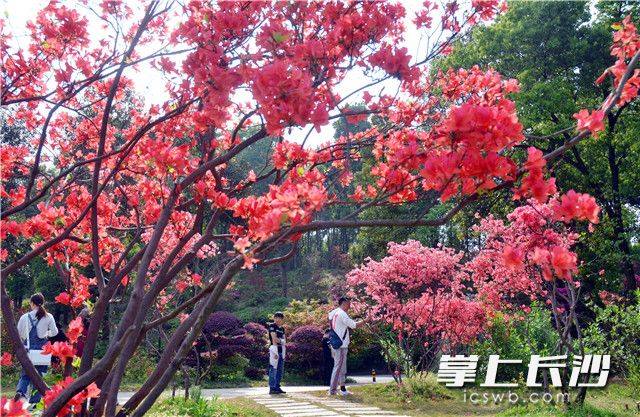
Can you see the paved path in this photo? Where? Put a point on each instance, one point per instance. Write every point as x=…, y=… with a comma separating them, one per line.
x=308, y=405
x=261, y=391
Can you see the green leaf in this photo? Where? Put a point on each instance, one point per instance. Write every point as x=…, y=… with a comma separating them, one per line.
x=279, y=37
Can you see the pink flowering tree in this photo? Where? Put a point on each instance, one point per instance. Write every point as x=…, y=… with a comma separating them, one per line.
x=436, y=300
x=124, y=198
x=530, y=257
x=419, y=294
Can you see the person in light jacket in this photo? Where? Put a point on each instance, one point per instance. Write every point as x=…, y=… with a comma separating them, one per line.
x=35, y=328
x=341, y=323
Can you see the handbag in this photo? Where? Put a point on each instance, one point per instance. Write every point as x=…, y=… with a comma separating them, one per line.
x=334, y=339
x=35, y=355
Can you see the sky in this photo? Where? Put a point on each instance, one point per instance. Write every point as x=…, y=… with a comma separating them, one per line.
x=150, y=84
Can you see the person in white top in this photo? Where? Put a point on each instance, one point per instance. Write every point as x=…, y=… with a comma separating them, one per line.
x=341, y=323
x=35, y=328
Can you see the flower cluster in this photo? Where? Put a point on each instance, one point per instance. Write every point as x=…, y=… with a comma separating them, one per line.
x=419, y=291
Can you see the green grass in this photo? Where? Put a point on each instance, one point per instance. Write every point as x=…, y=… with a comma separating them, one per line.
x=289, y=378
x=540, y=411
x=236, y=407
x=425, y=397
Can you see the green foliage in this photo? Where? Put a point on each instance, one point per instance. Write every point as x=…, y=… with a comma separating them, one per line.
x=421, y=386
x=540, y=411
x=517, y=340
x=556, y=50
x=568, y=55
x=616, y=331
x=231, y=369
x=306, y=312
x=200, y=407
x=261, y=312
x=138, y=370
x=48, y=282
x=424, y=385
x=372, y=241
x=633, y=375
x=394, y=354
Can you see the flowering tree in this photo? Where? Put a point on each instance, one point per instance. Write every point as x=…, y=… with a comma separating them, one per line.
x=530, y=257
x=435, y=300
x=420, y=293
x=123, y=196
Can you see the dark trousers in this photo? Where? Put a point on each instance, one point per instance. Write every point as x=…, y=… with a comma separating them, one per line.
x=327, y=366
x=275, y=374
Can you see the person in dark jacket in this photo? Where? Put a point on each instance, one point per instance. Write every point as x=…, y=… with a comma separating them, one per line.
x=277, y=348
x=327, y=358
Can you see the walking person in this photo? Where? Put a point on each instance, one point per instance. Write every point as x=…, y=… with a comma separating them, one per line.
x=340, y=323
x=35, y=328
x=277, y=351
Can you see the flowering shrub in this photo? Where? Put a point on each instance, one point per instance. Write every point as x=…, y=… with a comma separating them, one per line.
x=225, y=341
x=434, y=301
x=304, y=350
x=418, y=290
x=257, y=351
x=420, y=294
x=256, y=330
x=221, y=322
x=529, y=250
x=307, y=312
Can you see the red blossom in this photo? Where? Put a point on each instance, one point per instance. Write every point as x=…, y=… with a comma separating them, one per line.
x=12, y=408
x=593, y=122
x=241, y=76
x=575, y=206
x=512, y=257
x=534, y=184
x=6, y=359
x=418, y=291
x=60, y=350
x=626, y=43
x=75, y=329
x=75, y=403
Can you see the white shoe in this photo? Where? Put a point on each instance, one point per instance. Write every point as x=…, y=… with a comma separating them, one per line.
x=345, y=393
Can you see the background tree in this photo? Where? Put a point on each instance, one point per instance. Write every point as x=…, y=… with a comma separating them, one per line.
x=568, y=42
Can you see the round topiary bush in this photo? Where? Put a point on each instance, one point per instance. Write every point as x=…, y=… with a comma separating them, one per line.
x=307, y=334
x=222, y=323
x=258, y=350
x=304, y=350
x=256, y=330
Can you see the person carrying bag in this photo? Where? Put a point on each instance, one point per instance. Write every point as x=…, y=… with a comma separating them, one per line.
x=35, y=329
x=277, y=352
x=335, y=340
x=340, y=323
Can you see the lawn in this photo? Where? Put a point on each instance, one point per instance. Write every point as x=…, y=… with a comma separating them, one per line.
x=235, y=407
x=425, y=397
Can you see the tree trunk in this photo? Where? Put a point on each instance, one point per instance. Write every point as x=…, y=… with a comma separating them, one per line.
x=629, y=283
x=284, y=280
